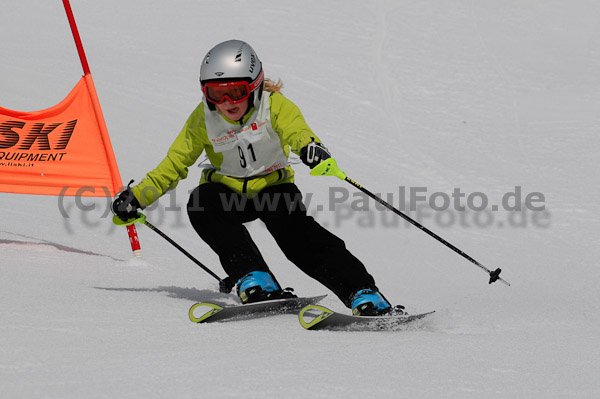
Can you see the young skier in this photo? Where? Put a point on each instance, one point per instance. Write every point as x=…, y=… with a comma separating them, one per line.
x=247, y=129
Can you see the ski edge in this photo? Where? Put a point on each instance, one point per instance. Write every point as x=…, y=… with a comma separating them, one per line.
x=275, y=306
x=327, y=319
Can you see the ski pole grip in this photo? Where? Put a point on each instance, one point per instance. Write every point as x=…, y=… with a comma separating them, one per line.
x=120, y=222
x=328, y=168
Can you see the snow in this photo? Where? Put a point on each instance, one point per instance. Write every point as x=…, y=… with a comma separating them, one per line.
x=482, y=96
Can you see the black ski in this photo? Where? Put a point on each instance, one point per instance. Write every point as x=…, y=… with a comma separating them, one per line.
x=316, y=317
x=213, y=312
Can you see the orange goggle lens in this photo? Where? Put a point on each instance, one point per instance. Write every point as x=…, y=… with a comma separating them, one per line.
x=218, y=92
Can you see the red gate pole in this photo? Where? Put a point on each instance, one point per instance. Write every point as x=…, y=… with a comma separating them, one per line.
x=75, y=31
x=131, y=231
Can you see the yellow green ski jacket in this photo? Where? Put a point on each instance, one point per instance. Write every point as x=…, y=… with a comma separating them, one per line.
x=246, y=156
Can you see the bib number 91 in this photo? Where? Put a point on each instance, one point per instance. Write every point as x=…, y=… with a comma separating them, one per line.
x=250, y=153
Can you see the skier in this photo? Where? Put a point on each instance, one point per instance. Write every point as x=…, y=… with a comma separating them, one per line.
x=247, y=128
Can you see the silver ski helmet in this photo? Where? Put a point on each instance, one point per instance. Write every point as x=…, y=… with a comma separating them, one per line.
x=233, y=60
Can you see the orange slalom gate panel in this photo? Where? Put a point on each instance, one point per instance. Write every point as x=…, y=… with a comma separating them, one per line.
x=62, y=150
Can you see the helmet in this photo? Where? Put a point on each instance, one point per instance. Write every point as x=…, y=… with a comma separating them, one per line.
x=233, y=60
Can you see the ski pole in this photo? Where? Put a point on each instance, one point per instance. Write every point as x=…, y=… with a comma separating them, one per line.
x=225, y=285
x=329, y=168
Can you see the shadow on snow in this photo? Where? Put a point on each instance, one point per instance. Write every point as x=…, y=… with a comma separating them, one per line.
x=191, y=294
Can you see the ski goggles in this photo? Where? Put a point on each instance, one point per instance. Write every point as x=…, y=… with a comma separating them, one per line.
x=235, y=92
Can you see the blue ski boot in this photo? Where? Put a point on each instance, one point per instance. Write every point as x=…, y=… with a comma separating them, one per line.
x=259, y=286
x=369, y=302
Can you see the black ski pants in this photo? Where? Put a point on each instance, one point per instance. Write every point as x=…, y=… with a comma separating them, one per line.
x=218, y=215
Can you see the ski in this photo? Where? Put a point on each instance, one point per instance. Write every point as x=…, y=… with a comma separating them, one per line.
x=321, y=318
x=213, y=312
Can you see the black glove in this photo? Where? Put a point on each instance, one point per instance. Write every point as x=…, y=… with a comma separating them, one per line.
x=314, y=153
x=125, y=205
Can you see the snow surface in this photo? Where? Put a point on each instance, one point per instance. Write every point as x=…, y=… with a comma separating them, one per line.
x=477, y=95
